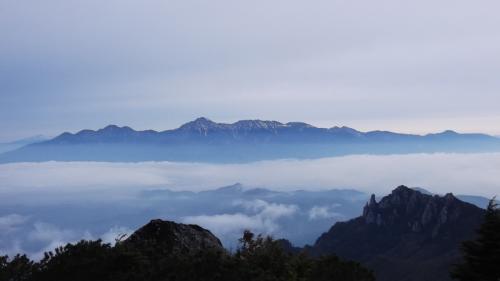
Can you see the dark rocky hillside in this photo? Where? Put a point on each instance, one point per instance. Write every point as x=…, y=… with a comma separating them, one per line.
x=170, y=237
x=407, y=236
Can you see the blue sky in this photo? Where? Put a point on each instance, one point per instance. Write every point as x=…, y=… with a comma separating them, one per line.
x=409, y=66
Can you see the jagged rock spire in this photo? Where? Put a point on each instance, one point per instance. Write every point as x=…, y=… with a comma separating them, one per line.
x=404, y=232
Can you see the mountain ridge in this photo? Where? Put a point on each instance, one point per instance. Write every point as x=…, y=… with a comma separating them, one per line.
x=202, y=125
x=204, y=140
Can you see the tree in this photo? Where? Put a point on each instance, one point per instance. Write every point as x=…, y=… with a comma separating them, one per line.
x=262, y=258
x=20, y=268
x=258, y=258
x=482, y=256
x=329, y=268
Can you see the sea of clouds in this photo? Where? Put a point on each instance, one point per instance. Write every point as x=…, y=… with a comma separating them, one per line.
x=475, y=174
x=44, y=205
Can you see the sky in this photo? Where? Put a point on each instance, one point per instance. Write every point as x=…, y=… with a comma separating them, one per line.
x=407, y=66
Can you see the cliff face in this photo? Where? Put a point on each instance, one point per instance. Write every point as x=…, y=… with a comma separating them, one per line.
x=172, y=238
x=406, y=236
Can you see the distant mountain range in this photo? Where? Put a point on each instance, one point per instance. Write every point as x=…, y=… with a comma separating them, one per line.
x=248, y=140
x=406, y=236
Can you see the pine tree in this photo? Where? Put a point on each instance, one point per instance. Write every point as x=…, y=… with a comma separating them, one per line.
x=482, y=256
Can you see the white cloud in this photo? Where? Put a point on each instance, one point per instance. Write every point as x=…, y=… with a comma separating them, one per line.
x=262, y=219
x=229, y=223
x=268, y=210
x=475, y=174
x=323, y=212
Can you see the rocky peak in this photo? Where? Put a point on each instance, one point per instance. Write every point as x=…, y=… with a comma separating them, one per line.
x=370, y=212
x=409, y=208
x=404, y=232
x=201, y=122
x=201, y=125
x=169, y=237
x=372, y=201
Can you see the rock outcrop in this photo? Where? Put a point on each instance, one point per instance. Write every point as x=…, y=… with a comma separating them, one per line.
x=405, y=236
x=173, y=238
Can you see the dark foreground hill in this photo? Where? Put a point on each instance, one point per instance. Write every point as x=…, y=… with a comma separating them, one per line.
x=242, y=141
x=164, y=251
x=407, y=236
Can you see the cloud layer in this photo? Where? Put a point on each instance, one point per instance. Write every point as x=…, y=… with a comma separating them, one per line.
x=475, y=174
x=44, y=205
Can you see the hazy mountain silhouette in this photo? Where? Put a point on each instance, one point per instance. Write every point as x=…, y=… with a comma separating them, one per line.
x=242, y=141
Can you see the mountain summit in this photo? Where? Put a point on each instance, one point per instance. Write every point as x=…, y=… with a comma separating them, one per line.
x=201, y=125
x=406, y=236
